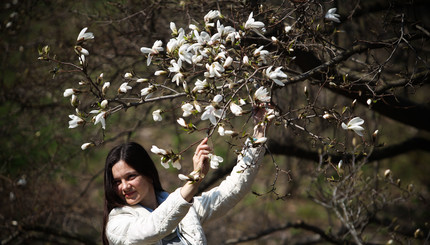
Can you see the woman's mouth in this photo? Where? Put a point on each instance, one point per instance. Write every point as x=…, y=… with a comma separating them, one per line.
x=129, y=194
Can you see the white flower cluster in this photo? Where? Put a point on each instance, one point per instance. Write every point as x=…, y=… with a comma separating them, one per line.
x=208, y=66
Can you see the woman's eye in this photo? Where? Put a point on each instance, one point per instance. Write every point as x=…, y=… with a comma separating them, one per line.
x=132, y=176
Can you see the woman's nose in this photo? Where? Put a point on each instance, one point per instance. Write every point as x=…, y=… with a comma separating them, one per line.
x=125, y=185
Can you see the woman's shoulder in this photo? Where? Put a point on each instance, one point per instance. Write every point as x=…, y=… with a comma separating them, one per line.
x=130, y=210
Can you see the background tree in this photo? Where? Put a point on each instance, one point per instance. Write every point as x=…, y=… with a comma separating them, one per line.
x=319, y=182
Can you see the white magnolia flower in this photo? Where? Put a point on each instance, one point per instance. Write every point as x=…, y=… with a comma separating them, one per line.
x=287, y=28
x=215, y=160
x=197, y=106
x=233, y=36
x=354, y=124
x=210, y=113
x=178, y=78
x=262, y=53
x=182, y=122
x=261, y=140
x=339, y=165
x=156, y=48
x=217, y=98
x=83, y=35
x=148, y=90
x=86, y=146
x=156, y=115
x=165, y=164
x=158, y=151
x=184, y=53
x=262, y=95
x=214, y=70
x=200, y=85
x=184, y=177
x=211, y=15
x=173, y=28
x=176, y=164
x=252, y=24
x=68, y=92
x=245, y=60
x=172, y=45
x=276, y=75
x=188, y=109
x=82, y=59
x=176, y=66
x=100, y=118
x=235, y=109
x=193, y=27
x=228, y=61
x=128, y=75
x=124, y=88
x=223, y=132
x=82, y=50
x=75, y=121
x=332, y=16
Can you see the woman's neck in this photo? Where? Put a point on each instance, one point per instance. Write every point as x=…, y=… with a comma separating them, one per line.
x=150, y=202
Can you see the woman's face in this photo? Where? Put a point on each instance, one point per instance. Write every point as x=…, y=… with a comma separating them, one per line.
x=133, y=187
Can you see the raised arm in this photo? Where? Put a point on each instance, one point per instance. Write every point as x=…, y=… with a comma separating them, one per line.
x=219, y=200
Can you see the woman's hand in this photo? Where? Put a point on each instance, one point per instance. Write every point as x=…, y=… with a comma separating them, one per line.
x=201, y=167
x=201, y=157
x=259, y=116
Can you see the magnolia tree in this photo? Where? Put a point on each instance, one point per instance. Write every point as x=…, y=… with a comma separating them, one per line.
x=208, y=67
x=224, y=68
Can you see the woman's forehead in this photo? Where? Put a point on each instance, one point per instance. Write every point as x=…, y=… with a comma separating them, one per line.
x=121, y=169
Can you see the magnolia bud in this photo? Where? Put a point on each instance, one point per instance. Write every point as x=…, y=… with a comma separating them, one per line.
x=418, y=233
x=387, y=173
x=141, y=80
x=160, y=72
x=354, y=102
x=106, y=85
x=374, y=135
x=100, y=79
x=103, y=104
x=74, y=101
x=327, y=115
x=86, y=146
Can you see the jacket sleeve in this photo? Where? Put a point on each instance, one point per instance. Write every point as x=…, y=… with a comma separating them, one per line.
x=136, y=225
x=219, y=200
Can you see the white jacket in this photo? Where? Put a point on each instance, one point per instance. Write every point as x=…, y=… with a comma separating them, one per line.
x=136, y=225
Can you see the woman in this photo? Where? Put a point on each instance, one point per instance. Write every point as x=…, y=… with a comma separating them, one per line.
x=138, y=211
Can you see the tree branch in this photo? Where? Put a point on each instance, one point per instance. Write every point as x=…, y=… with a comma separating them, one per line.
x=417, y=143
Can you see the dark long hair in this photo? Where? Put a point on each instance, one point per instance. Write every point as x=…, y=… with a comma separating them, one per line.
x=136, y=157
